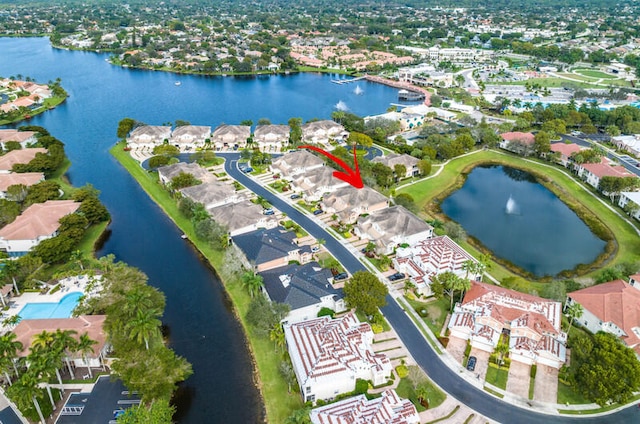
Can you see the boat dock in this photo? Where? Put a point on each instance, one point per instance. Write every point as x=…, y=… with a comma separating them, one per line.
x=346, y=81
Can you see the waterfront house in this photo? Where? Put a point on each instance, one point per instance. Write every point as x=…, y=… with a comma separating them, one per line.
x=517, y=142
x=349, y=203
x=22, y=156
x=305, y=288
x=593, y=172
x=631, y=201
x=391, y=227
x=565, y=151
x=322, y=132
x=212, y=194
x=299, y=162
x=230, y=135
x=26, y=179
x=429, y=257
x=391, y=160
x=271, y=137
x=92, y=325
x=190, y=136
x=613, y=307
x=38, y=222
x=388, y=408
x=149, y=136
x=266, y=249
x=24, y=138
x=328, y=355
x=317, y=182
x=242, y=217
x=531, y=323
x=168, y=172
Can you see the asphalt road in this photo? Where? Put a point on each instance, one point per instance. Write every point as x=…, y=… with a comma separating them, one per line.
x=429, y=361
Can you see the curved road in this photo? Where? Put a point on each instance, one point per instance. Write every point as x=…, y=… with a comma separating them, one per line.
x=447, y=379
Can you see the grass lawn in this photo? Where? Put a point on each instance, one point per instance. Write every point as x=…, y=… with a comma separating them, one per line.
x=576, y=77
x=278, y=403
x=436, y=312
x=497, y=377
x=594, y=73
x=435, y=396
x=426, y=194
x=550, y=82
x=567, y=394
x=49, y=103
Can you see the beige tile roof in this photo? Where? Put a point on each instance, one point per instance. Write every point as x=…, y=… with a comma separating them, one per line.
x=26, y=179
x=19, y=156
x=90, y=324
x=15, y=135
x=38, y=220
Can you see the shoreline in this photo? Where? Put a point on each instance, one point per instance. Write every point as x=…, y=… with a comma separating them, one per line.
x=264, y=365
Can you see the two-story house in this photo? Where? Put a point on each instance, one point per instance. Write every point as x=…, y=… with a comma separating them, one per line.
x=348, y=203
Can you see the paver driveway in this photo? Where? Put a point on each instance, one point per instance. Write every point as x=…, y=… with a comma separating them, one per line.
x=519, y=376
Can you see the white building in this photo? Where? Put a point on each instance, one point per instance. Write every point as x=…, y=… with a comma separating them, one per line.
x=630, y=143
x=632, y=199
x=328, y=355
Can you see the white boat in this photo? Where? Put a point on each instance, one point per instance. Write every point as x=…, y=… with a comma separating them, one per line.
x=184, y=236
x=178, y=83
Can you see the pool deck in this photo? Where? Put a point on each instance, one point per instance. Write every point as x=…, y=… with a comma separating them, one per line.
x=67, y=285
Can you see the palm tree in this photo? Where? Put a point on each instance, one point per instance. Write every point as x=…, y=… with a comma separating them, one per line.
x=463, y=284
x=64, y=345
x=276, y=335
x=252, y=282
x=144, y=327
x=573, y=312
x=11, y=269
x=9, y=348
x=501, y=349
x=85, y=346
x=43, y=365
x=26, y=391
x=11, y=321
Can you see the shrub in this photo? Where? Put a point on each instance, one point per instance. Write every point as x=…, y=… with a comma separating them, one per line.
x=402, y=371
x=361, y=387
x=326, y=312
x=377, y=328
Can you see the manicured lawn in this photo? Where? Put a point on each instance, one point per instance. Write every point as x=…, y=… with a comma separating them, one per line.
x=91, y=236
x=426, y=193
x=567, y=395
x=436, y=311
x=595, y=74
x=434, y=395
x=497, y=377
x=279, y=404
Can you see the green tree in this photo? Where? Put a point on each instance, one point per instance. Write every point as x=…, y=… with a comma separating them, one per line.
x=9, y=348
x=300, y=416
x=25, y=392
x=182, y=180
x=124, y=127
x=501, y=349
x=166, y=149
x=573, y=311
x=296, y=130
x=41, y=192
x=542, y=143
x=85, y=347
x=253, y=283
x=144, y=327
x=360, y=139
x=365, y=292
x=264, y=315
x=157, y=412
x=8, y=211
x=425, y=167
x=215, y=234
x=400, y=171
x=406, y=200
x=450, y=283
x=276, y=335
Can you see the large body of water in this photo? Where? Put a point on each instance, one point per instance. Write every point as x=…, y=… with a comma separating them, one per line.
x=202, y=326
x=521, y=221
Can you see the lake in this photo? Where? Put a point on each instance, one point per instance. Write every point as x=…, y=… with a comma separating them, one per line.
x=521, y=221
x=200, y=319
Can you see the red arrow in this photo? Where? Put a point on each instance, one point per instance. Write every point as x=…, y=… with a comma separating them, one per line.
x=349, y=176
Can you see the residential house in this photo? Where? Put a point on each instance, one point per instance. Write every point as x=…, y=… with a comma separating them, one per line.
x=38, y=222
x=391, y=227
x=294, y=163
x=613, y=307
x=389, y=408
x=349, y=202
x=391, y=160
x=92, y=325
x=190, y=136
x=266, y=249
x=212, y=194
x=328, y=355
x=630, y=143
x=593, y=172
x=149, y=136
x=518, y=142
x=565, y=151
x=230, y=135
x=305, y=288
x=23, y=137
x=531, y=323
x=322, y=132
x=429, y=257
x=22, y=156
x=242, y=217
x=316, y=182
x=26, y=179
x=168, y=172
x=271, y=137
x=631, y=201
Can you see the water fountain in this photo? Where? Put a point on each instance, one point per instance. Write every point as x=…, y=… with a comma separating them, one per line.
x=358, y=91
x=341, y=106
x=511, y=207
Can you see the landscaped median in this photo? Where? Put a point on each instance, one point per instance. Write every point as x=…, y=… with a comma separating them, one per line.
x=597, y=214
x=279, y=403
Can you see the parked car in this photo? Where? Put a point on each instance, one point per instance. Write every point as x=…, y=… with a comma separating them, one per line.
x=318, y=212
x=397, y=276
x=295, y=196
x=341, y=276
x=471, y=363
x=268, y=212
x=315, y=249
x=247, y=169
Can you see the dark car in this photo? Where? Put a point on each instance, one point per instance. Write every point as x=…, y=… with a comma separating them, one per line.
x=318, y=212
x=397, y=276
x=247, y=169
x=341, y=276
x=471, y=363
x=295, y=196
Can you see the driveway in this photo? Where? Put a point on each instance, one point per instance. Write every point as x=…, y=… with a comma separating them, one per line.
x=456, y=348
x=519, y=376
x=482, y=362
x=546, y=384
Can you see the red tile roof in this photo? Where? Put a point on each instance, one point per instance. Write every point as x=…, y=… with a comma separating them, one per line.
x=19, y=156
x=604, y=169
x=565, y=149
x=27, y=179
x=527, y=138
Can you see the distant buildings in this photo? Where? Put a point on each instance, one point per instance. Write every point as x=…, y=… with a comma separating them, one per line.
x=518, y=142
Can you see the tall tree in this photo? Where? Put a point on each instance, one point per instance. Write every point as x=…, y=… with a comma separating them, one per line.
x=252, y=282
x=365, y=292
x=573, y=312
x=85, y=347
x=9, y=348
x=144, y=327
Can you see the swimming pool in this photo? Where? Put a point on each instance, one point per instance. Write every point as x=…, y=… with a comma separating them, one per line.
x=60, y=309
